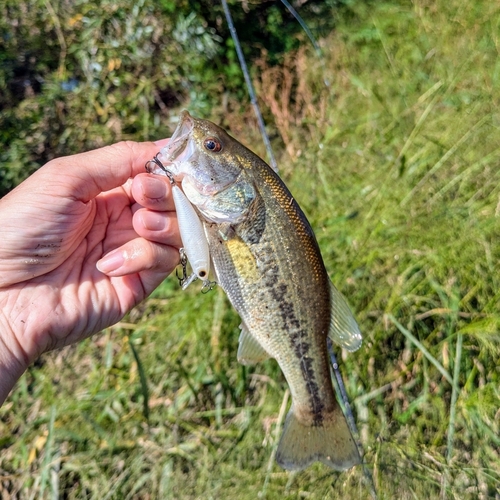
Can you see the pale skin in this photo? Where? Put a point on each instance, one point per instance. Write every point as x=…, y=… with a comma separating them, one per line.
x=83, y=240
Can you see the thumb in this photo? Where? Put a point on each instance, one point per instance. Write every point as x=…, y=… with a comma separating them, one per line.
x=83, y=176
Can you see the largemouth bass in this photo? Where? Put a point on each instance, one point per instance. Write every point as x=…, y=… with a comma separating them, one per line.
x=266, y=258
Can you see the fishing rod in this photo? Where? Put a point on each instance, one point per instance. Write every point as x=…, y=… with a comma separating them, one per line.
x=248, y=81
x=303, y=25
x=246, y=74
x=339, y=385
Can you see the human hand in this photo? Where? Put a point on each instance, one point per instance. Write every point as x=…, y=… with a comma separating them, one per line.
x=84, y=239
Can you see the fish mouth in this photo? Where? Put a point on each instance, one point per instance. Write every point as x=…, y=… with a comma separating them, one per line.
x=184, y=161
x=179, y=149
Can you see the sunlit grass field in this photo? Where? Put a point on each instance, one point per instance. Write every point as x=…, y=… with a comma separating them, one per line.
x=391, y=144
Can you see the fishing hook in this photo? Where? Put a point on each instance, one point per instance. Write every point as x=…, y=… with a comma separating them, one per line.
x=183, y=278
x=208, y=286
x=159, y=164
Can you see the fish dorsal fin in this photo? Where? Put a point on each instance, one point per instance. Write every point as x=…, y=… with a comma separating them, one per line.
x=344, y=330
x=249, y=349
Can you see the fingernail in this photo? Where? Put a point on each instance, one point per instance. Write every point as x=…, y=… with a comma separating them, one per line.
x=111, y=262
x=153, y=221
x=154, y=188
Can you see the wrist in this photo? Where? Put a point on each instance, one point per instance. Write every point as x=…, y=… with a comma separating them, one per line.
x=13, y=361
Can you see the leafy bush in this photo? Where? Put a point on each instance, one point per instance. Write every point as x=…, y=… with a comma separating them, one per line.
x=77, y=75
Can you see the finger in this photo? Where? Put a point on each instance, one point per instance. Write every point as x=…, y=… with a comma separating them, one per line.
x=139, y=255
x=162, y=143
x=151, y=280
x=85, y=175
x=160, y=227
x=152, y=191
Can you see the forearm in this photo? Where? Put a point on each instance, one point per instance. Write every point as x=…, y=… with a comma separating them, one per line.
x=12, y=365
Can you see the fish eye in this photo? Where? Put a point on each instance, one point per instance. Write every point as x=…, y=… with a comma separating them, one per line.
x=212, y=144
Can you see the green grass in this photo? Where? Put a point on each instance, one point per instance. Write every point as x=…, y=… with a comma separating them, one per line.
x=397, y=163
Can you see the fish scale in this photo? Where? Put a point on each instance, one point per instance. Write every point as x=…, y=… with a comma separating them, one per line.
x=292, y=288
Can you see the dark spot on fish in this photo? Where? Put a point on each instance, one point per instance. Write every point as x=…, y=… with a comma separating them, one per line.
x=252, y=233
x=299, y=340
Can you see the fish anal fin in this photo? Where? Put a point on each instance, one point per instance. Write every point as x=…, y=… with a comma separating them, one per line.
x=344, y=329
x=249, y=350
x=329, y=442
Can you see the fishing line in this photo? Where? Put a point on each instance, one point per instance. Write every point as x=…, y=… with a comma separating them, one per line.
x=342, y=390
x=248, y=81
x=339, y=383
x=304, y=26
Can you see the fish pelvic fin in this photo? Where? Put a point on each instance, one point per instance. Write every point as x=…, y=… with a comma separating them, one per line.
x=344, y=329
x=330, y=442
x=250, y=351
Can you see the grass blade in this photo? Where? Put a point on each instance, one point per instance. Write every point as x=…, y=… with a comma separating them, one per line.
x=453, y=411
x=44, y=479
x=420, y=346
x=277, y=429
x=143, y=379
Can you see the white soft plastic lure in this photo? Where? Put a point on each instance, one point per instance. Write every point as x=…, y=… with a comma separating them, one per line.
x=193, y=237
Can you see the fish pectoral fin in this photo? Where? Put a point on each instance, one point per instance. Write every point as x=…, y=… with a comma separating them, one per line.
x=344, y=329
x=329, y=442
x=249, y=350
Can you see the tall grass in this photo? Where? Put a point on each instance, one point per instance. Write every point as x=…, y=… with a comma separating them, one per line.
x=391, y=145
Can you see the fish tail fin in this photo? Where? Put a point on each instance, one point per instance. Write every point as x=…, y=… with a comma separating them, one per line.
x=329, y=442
